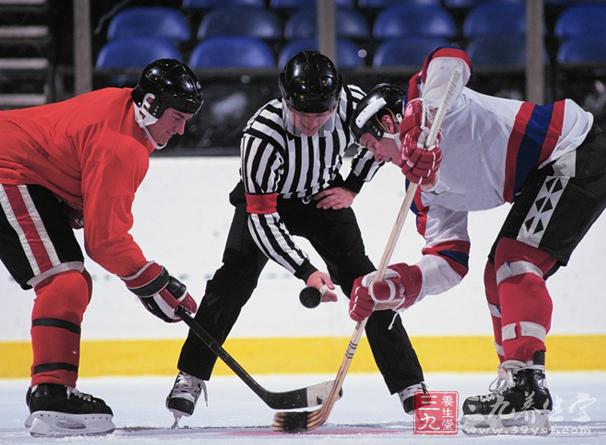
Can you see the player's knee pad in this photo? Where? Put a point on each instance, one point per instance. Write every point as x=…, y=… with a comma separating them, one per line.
x=56, y=317
x=513, y=258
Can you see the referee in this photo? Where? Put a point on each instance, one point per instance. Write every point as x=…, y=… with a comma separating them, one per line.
x=291, y=152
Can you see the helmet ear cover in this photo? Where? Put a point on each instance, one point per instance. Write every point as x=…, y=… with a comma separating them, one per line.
x=172, y=85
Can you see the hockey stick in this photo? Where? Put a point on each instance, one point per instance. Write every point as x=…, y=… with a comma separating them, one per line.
x=297, y=398
x=296, y=422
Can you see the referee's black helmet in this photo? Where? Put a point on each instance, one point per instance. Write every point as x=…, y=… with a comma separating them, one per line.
x=310, y=83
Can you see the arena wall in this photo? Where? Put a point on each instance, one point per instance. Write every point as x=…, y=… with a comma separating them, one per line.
x=182, y=217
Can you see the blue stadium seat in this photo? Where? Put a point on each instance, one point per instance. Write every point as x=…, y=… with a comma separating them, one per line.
x=232, y=52
x=212, y=4
x=471, y=3
x=381, y=4
x=299, y=4
x=582, y=50
x=240, y=21
x=498, y=52
x=406, y=52
x=347, y=52
x=135, y=52
x=495, y=19
x=149, y=21
x=413, y=20
x=582, y=20
x=349, y=23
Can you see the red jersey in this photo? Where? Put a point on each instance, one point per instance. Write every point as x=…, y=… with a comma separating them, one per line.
x=90, y=152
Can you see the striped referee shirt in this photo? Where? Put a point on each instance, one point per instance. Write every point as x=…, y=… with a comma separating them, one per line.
x=276, y=163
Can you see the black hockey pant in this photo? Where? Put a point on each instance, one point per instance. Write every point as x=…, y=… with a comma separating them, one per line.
x=336, y=237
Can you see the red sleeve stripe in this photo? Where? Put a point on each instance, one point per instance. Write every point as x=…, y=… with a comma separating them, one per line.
x=445, y=52
x=554, y=131
x=455, y=253
x=261, y=204
x=513, y=148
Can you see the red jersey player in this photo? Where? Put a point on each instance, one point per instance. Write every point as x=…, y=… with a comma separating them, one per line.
x=78, y=164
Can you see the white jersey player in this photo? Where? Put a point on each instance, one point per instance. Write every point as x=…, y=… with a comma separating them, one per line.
x=548, y=160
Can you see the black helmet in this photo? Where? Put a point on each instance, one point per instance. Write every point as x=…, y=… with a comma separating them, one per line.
x=381, y=100
x=310, y=83
x=173, y=85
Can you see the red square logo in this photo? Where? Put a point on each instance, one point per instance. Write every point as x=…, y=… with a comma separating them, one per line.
x=436, y=412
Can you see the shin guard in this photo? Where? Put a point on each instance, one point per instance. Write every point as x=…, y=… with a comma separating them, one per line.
x=526, y=305
x=56, y=317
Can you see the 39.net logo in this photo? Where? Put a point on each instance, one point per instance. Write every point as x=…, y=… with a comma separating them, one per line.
x=436, y=412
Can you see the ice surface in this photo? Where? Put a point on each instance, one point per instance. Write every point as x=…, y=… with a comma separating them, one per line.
x=366, y=415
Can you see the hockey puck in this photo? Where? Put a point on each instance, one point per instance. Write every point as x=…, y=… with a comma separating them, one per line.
x=310, y=297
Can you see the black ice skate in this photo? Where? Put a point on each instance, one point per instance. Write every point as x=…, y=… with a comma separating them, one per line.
x=519, y=404
x=411, y=397
x=58, y=410
x=182, y=398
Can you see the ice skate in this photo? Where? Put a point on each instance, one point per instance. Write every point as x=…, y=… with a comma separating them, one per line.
x=182, y=398
x=58, y=410
x=519, y=403
x=411, y=397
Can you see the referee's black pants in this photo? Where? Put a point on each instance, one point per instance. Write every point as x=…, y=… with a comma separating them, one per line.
x=336, y=237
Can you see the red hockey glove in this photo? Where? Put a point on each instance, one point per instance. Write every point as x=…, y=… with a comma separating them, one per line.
x=400, y=285
x=159, y=292
x=419, y=165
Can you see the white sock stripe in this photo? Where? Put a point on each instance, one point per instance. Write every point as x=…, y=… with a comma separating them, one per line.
x=532, y=329
x=12, y=219
x=39, y=225
x=494, y=310
x=55, y=270
x=514, y=268
x=508, y=332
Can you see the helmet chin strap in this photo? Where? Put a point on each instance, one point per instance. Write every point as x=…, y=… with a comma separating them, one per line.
x=144, y=118
x=395, y=137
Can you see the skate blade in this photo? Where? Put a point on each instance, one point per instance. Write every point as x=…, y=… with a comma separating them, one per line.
x=528, y=423
x=54, y=424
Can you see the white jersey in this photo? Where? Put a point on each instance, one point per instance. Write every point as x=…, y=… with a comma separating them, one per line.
x=490, y=145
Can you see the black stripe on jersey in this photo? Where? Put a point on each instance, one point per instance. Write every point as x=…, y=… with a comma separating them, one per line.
x=252, y=226
x=274, y=126
x=259, y=134
x=322, y=153
x=268, y=237
x=310, y=164
x=356, y=93
x=275, y=110
x=298, y=165
x=335, y=152
x=288, y=239
x=350, y=108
